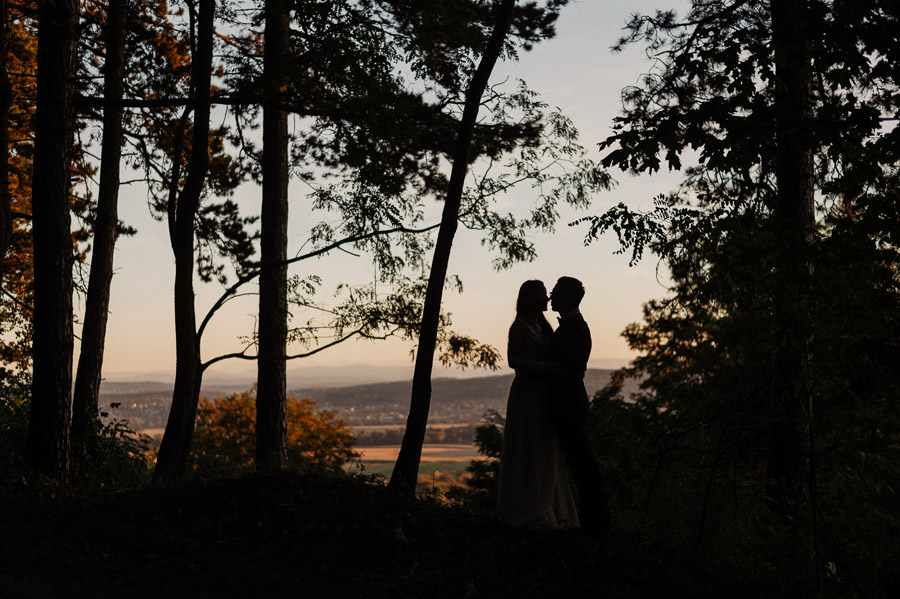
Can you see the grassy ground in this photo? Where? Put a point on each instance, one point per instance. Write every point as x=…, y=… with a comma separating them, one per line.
x=427, y=469
x=310, y=536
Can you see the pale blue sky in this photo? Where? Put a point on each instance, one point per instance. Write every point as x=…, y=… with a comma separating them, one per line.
x=574, y=71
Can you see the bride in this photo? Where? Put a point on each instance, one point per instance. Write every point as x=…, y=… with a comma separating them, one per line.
x=534, y=486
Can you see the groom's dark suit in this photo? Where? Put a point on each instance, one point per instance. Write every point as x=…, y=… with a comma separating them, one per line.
x=570, y=347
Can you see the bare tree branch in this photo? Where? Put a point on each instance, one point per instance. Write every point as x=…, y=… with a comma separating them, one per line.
x=323, y=250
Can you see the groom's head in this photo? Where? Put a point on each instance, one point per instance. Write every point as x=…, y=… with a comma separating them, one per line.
x=566, y=294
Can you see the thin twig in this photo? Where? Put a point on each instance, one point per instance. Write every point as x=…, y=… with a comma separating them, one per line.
x=16, y=300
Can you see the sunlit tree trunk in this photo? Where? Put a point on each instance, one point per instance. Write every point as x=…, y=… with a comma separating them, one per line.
x=403, y=478
x=93, y=333
x=794, y=211
x=271, y=394
x=47, y=445
x=174, y=450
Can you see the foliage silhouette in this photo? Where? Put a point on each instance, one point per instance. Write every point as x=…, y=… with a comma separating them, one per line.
x=117, y=457
x=225, y=441
x=480, y=492
x=550, y=157
x=744, y=300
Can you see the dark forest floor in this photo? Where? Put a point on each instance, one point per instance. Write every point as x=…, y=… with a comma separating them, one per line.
x=311, y=536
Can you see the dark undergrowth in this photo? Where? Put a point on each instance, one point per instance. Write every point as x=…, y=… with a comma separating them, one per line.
x=296, y=535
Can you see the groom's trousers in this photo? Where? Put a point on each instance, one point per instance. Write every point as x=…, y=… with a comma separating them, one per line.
x=593, y=504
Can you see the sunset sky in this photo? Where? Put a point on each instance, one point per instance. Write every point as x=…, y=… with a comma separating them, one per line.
x=574, y=71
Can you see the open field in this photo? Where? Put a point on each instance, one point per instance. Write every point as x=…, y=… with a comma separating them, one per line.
x=399, y=427
x=438, y=461
x=158, y=431
x=430, y=453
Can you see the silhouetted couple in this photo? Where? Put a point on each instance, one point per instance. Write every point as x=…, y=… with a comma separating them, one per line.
x=546, y=416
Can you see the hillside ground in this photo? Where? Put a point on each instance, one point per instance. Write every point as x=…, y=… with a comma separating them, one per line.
x=297, y=535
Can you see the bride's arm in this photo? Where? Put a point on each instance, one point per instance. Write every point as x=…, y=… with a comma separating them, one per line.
x=518, y=361
x=538, y=367
x=526, y=366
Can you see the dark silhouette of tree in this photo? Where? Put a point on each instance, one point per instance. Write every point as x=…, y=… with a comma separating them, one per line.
x=796, y=166
x=790, y=450
x=406, y=470
x=367, y=124
x=271, y=394
x=175, y=446
x=85, y=412
x=16, y=298
x=161, y=134
x=366, y=320
x=538, y=147
x=775, y=117
x=47, y=445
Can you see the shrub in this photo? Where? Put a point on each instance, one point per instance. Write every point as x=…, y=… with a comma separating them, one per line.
x=14, y=396
x=116, y=455
x=225, y=439
x=480, y=494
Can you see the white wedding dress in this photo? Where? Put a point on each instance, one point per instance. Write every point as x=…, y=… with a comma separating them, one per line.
x=534, y=485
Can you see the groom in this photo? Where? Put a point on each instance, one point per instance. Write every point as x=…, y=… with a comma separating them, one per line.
x=570, y=348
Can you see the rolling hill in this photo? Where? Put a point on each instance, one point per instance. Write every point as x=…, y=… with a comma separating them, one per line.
x=456, y=400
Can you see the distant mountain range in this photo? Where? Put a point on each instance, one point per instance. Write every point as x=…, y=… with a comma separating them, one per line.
x=454, y=400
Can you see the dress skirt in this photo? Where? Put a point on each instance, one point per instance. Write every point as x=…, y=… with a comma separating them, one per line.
x=534, y=487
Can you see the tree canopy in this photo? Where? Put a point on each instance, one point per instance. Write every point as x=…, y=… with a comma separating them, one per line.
x=743, y=298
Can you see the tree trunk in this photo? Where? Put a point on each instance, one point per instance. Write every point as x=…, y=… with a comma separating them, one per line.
x=271, y=392
x=403, y=478
x=794, y=212
x=172, y=461
x=47, y=445
x=93, y=334
x=5, y=100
